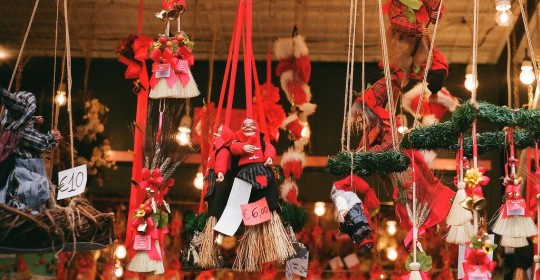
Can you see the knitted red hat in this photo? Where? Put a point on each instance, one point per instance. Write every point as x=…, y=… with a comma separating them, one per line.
x=370, y=198
x=370, y=100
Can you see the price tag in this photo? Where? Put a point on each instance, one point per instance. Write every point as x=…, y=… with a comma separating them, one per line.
x=72, y=182
x=162, y=70
x=142, y=243
x=478, y=273
x=288, y=270
x=351, y=260
x=256, y=212
x=335, y=263
x=299, y=266
x=515, y=207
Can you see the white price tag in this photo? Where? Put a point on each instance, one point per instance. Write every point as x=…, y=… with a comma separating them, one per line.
x=288, y=270
x=72, y=182
x=300, y=265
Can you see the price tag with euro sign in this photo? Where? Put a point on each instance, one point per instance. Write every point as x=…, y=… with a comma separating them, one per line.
x=72, y=182
x=256, y=212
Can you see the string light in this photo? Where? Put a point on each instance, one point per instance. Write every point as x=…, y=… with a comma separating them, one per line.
x=60, y=99
x=320, y=208
x=120, y=252
x=504, y=16
x=527, y=74
x=198, y=182
x=391, y=227
x=184, y=131
x=3, y=53
x=391, y=253
x=306, y=130
x=118, y=271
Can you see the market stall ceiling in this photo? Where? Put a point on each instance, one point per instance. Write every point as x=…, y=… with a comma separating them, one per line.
x=98, y=25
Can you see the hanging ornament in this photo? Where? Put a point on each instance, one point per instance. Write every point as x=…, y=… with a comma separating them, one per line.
x=477, y=264
x=514, y=222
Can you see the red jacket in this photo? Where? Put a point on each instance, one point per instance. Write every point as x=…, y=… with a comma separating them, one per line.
x=256, y=157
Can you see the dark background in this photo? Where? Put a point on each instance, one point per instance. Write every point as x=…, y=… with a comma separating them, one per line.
x=107, y=83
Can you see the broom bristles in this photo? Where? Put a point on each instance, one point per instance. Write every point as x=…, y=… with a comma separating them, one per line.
x=460, y=234
x=514, y=242
x=178, y=90
x=208, y=253
x=142, y=263
x=282, y=243
x=458, y=215
x=248, y=253
x=415, y=271
x=515, y=226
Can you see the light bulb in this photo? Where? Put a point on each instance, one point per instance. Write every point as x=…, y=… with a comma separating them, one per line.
x=320, y=208
x=198, y=182
x=306, y=131
x=120, y=252
x=502, y=5
x=391, y=227
x=527, y=74
x=391, y=253
x=118, y=272
x=470, y=84
x=504, y=18
x=3, y=54
x=183, y=136
x=60, y=98
x=402, y=129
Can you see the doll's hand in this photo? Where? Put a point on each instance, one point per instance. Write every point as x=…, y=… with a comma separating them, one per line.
x=268, y=161
x=220, y=177
x=39, y=119
x=249, y=148
x=56, y=135
x=425, y=31
x=341, y=215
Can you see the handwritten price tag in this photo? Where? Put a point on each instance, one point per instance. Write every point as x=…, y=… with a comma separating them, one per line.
x=256, y=212
x=72, y=182
x=515, y=207
x=300, y=265
x=142, y=243
x=162, y=70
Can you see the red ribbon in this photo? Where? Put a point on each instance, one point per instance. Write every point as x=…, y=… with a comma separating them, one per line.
x=179, y=68
x=408, y=239
x=477, y=261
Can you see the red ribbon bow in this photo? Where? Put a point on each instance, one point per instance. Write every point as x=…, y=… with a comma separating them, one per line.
x=178, y=68
x=477, y=262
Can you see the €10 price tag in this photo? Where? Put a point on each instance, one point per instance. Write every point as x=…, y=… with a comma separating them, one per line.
x=256, y=212
x=72, y=182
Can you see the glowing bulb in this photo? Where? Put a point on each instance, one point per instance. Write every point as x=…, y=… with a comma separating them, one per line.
x=320, y=208
x=470, y=84
x=306, y=131
x=527, y=74
x=119, y=272
x=3, y=54
x=120, y=252
x=504, y=18
x=402, y=129
x=502, y=5
x=198, y=182
x=391, y=227
x=183, y=136
x=60, y=98
x=391, y=253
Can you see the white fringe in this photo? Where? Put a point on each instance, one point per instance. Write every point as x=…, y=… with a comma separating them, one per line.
x=308, y=108
x=292, y=155
x=514, y=242
x=142, y=263
x=283, y=48
x=458, y=215
x=514, y=226
x=162, y=90
x=460, y=234
x=286, y=187
x=300, y=46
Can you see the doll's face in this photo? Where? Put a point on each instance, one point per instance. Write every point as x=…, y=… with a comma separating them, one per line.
x=249, y=128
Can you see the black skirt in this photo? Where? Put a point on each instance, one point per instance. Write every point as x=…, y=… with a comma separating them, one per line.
x=249, y=173
x=217, y=193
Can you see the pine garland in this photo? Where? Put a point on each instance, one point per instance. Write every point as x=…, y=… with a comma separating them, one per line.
x=294, y=216
x=367, y=163
x=194, y=222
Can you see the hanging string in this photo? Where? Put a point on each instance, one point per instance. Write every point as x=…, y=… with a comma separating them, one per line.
x=429, y=61
x=247, y=58
x=236, y=51
x=415, y=226
x=211, y=66
x=348, y=77
x=178, y=24
x=54, y=65
x=388, y=80
x=22, y=45
x=363, y=83
x=475, y=52
x=69, y=83
x=509, y=72
x=531, y=49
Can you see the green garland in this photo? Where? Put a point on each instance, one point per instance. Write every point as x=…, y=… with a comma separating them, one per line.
x=367, y=163
x=294, y=216
x=445, y=135
x=194, y=222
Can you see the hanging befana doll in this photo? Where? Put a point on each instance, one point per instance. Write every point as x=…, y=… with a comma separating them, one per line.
x=351, y=213
x=219, y=179
x=23, y=181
